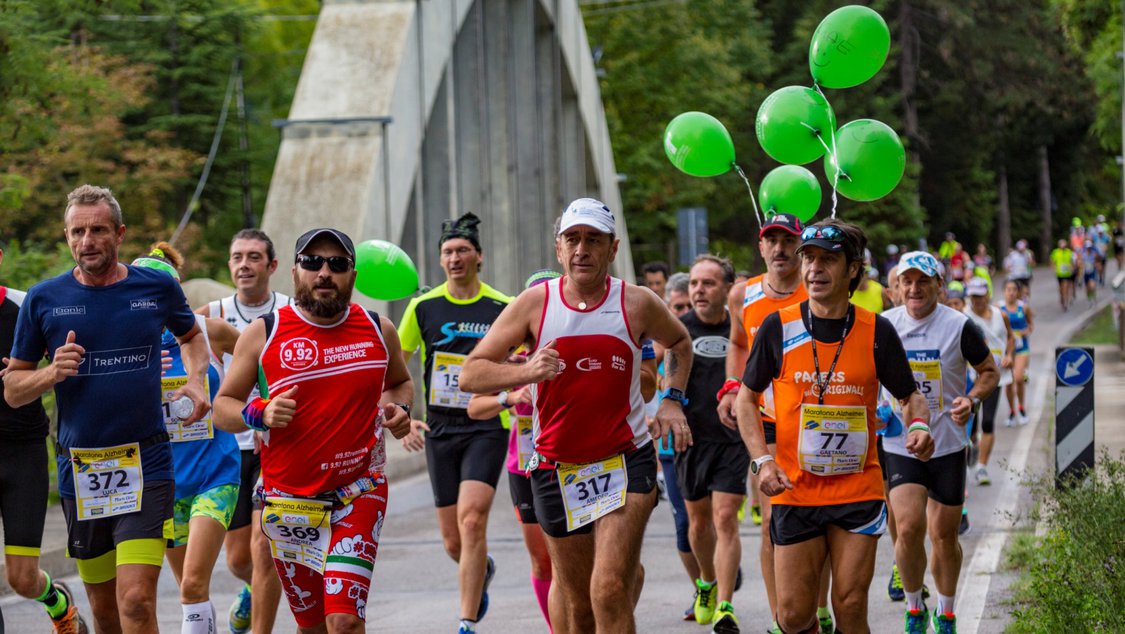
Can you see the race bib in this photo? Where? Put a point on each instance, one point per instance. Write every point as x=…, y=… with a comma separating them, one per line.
x=178, y=430
x=592, y=490
x=107, y=481
x=833, y=439
x=525, y=444
x=299, y=530
x=444, y=388
x=926, y=365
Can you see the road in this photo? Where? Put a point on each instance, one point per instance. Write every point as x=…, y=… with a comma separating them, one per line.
x=415, y=589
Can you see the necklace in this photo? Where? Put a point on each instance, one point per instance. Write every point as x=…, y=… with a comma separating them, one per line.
x=780, y=292
x=582, y=305
x=272, y=300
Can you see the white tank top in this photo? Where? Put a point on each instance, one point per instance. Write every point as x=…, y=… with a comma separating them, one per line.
x=933, y=347
x=996, y=335
x=240, y=316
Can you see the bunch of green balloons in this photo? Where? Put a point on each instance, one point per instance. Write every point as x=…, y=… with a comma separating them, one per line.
x=384, y=271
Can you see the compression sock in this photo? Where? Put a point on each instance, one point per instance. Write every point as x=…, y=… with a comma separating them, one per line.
x=914, y=600
x=53, y=600
x=542, y=587
x=468, y=625
x=199, y=618
x=945, y=604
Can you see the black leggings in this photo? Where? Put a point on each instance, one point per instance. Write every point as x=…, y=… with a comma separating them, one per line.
x=988, y=411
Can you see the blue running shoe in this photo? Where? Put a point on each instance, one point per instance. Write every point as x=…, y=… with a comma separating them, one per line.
x=894, y=586
x=489, y=571
x=917, y=621
x=466, y=627
x=239, y=616
x=945, y=623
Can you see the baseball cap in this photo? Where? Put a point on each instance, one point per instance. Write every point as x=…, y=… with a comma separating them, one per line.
x=955, y=291
x=976, y=287
x=589, y=212
x=920, y=261
x=786, y=222
x=340, y=237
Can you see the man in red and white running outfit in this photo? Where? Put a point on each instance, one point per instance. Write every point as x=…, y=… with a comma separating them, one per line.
x=585, y=331
x=322, y=361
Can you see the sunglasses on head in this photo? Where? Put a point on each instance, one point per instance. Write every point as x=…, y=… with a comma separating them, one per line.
x=830, y=233
x=336, y=263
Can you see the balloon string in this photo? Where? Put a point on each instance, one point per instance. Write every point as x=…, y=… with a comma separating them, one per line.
x=831, y=152
x=749, y=188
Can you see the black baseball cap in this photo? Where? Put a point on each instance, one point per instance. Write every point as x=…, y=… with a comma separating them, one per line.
x=340, y=237
x=787, y=222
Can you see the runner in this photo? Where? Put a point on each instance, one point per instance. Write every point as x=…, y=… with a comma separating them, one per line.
x=101, y=324
x=676, y=294
x=828, y=504
x=711, y=474
x=1018, y=265
x=1063, y=259
x=252, y=261
x=1022, y=320
x=1118, y=243
x=942, y=344
x=1091, y=267
x=464, y=457
x=585, y=332
x=656, y=276
x=997, y=331
x=23, y=491
x=752, y=302
x=206, y=464
x=319, y=365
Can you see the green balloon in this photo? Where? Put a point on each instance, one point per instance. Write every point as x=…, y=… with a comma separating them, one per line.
x=699, y=144
x=384, y=271
x=790, y=189
x=788, y=122
x=849, y=47
x=872, y=160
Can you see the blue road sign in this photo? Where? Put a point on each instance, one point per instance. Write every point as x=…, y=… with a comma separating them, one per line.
x=1074, y=367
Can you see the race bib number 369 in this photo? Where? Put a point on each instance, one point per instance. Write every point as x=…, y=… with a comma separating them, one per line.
x=592, y=490
x=107, y=481
x=299, y=530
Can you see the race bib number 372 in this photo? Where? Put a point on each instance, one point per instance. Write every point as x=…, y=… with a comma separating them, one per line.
x=107, y=481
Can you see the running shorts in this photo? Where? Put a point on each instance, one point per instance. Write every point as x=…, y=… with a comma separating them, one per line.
x=705, y=467
x=90, y=539
x=217, y=503
x=452, y=458
x=519, y=485
x=795, y=524
x=988, y=411
x=24, y=481
x=248, y=481
x=882, y=458
x=944, y=477
x=640, y=468
x=350, y=561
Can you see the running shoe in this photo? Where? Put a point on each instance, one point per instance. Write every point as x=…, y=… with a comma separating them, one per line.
x=894, y=586
x=239, y=615
x=1023, y=418
x=71, y=622
x=705, y=601
x=945, y=623
x=489, y=571
x=756, y=515
x=1011, y=422
x=826, y=624
x=466, y=628
x=965, y=527
x=742, y=511
x=982, y=476
x=917, y=621
x=724, y=621
x=774, y=629
x=689, y=614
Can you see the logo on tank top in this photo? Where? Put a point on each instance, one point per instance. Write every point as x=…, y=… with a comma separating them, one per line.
x=66, y=311
x=618, y=363
x=299, y=354
x=712, y=347
x=468, y=330
x=588, y=364
x=142, y=304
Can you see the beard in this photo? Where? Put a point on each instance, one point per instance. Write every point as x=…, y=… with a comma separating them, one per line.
x=323, y=307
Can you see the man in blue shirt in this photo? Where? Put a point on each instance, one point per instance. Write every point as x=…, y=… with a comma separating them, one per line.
x=100, y=327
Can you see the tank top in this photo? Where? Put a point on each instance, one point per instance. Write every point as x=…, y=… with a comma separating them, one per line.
x=239, y=315
x=1018, y=320
x=208, y=462
x=709, y=343
x=756, y=306
x=336, y=435
x=933, y=348
x=996, y=335
x=593, y=409
x=870, y=298
x=845, y=423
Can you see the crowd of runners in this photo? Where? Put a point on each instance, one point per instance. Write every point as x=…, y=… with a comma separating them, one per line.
x=845, y=399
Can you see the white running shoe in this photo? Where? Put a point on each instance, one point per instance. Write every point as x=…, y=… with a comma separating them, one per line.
x=1023, y=419
x=981, y=474
x=1011, y=422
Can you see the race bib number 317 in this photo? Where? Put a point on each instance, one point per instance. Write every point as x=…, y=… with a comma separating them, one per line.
x=592, y=490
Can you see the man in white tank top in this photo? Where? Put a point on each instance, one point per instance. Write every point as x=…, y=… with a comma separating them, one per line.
x=252, y=262
x=941, y=345
x=1002, y=343
x=585, y=330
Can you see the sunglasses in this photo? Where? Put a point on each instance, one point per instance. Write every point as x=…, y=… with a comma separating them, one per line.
x=830, y=233
x=336, y=263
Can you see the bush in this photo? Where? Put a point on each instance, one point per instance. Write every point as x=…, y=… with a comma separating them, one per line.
x=1075, y=581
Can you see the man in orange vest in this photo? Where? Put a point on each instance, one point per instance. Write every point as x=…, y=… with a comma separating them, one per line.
x=825, y=482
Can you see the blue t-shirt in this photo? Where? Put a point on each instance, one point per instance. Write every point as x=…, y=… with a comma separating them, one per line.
x=202, y=464
x=115, y=398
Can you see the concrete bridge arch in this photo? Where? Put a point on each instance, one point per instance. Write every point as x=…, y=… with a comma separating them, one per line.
x=409, y=112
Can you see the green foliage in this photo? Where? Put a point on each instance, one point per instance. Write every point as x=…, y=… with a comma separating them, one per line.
x=1101, y=329
x=25, y=265
x=1072, y=582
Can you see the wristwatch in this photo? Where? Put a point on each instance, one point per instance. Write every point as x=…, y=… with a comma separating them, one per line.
x=675, y=394
x=502, y=398
x=757, y=463
x=975, y=400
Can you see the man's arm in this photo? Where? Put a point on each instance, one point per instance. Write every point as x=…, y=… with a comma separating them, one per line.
x=240, y=378
x=1010, y=346
x=194, y=352
x=772, y=479
x=222, y=336
x=975, y=350
x=23, y=383
x=660, y=325
x=204, y=310
x=737, y=353
x=485, y=371
x=398, y=387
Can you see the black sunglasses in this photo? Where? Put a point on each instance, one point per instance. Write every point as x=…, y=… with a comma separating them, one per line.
x=830, y=233
x=336, y=263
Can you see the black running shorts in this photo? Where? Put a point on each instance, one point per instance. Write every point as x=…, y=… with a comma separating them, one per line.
x=795, y=524
x=23, y=495
x=640, y=468
x=944, y=477
x=248, y=482
x=452, y=458
x=706, y=467
x=93, y=538
x=519, y=485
